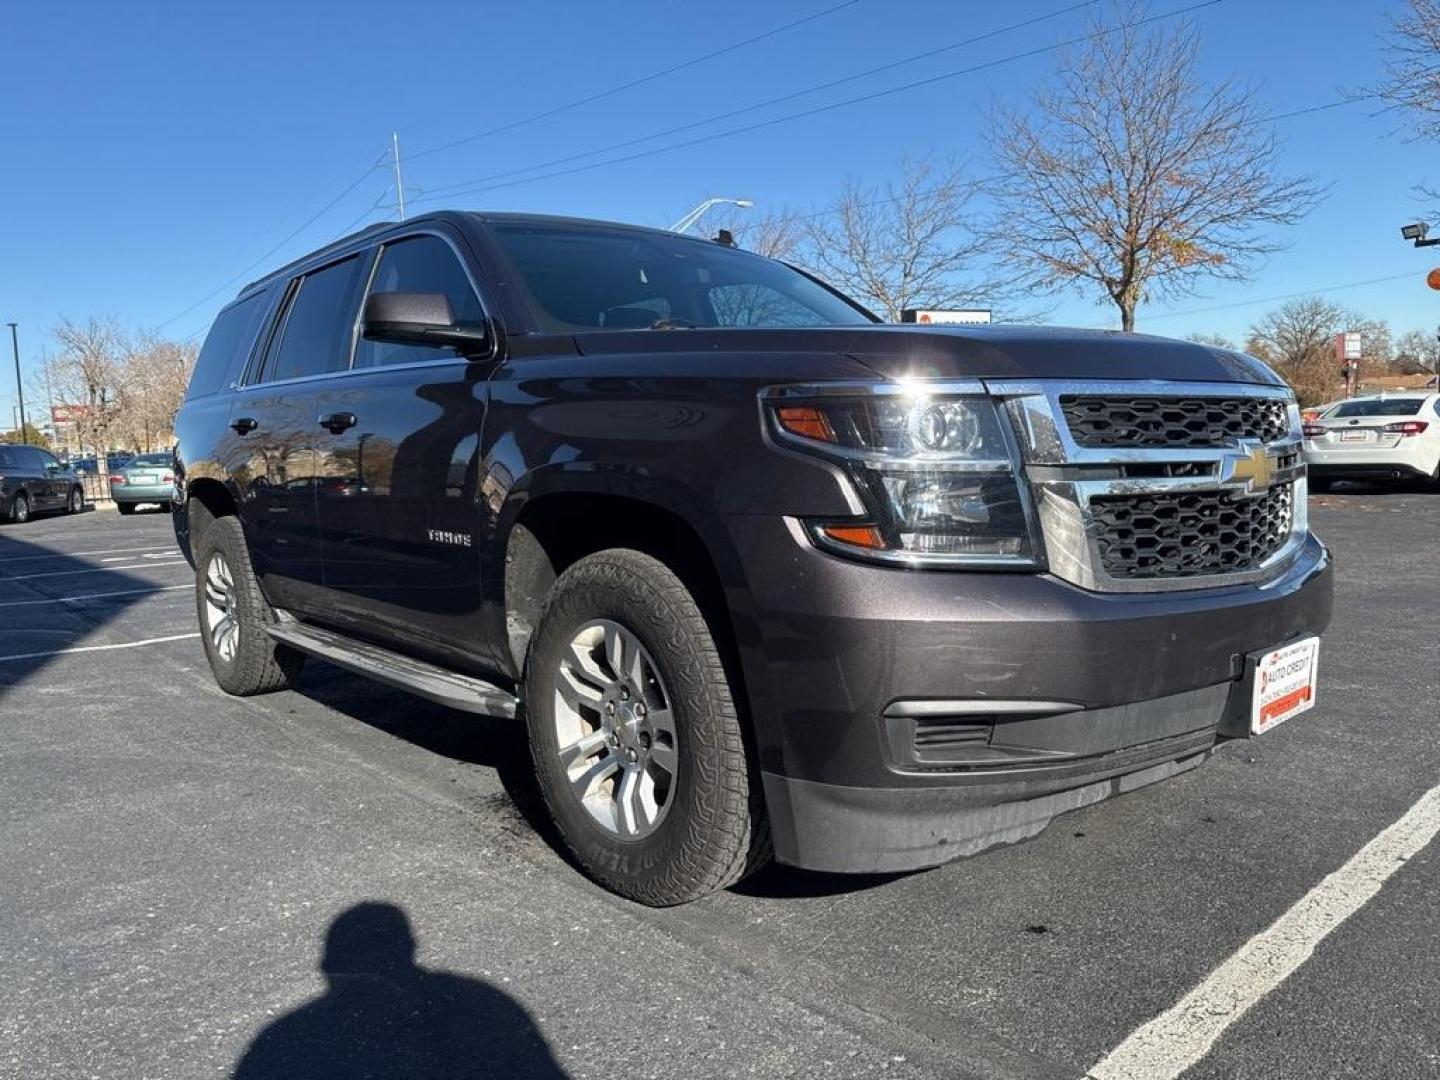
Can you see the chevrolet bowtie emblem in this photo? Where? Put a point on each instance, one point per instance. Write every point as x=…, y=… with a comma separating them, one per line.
x=1249, y=468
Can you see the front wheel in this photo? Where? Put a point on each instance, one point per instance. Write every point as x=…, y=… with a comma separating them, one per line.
x=635, y=736
x=20, y=509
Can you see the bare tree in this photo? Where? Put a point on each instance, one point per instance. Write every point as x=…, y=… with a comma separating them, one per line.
x=1412, y=68
x=1298, y=340
x=915, y=242
x=1218, y=341
x=1131, y=174
x=775, y=234
x=156, y=374
x=1417, y=352
x=88, y=375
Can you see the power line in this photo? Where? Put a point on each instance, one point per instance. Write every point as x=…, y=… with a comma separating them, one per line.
x=264, y=258
x=873, y=96
x=1284, y=296
x=926, y=55
x=557, y=110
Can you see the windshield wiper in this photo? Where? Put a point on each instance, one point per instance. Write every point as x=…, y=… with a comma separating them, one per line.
x=672, y=323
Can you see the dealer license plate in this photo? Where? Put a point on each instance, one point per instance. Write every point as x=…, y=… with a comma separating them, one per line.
x=1284, y=684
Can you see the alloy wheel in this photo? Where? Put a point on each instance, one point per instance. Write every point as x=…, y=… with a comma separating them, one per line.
x=221, y=617
x=615, y=730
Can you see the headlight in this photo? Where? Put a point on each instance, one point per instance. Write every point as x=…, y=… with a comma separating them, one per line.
x=936, y=468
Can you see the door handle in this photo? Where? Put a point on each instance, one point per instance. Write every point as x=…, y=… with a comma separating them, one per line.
x=338, y=422
x=244, y=425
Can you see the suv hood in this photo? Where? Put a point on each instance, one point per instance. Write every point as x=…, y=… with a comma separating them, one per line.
x=955, y=352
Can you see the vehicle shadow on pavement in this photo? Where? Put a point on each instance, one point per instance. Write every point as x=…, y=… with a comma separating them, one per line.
x=501, y=744
x=385, y=1017
x=494, y=742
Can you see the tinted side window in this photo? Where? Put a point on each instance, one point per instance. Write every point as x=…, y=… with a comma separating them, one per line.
x=422, y=264
x=7, y=457
x=47, y=459
x=227, y=346
x=320, y=325
x=27, y=460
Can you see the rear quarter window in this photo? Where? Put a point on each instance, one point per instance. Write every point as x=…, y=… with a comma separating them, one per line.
x=227, y=346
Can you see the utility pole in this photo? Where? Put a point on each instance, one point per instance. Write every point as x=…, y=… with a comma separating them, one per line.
x=19, y=390
x=399, y=183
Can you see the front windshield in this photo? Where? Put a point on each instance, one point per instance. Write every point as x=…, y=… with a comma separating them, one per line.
x=1377, y=407
x=596, y=277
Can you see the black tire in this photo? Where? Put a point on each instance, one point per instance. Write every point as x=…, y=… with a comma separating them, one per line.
x=20, y=509
x=77, y=501
x=257, y=665
x=125, y=508
x=713, y=831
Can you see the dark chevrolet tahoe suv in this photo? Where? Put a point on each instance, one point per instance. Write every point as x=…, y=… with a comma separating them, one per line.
x=758, y=573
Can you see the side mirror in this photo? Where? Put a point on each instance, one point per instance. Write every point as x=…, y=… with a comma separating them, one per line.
x=420, y=319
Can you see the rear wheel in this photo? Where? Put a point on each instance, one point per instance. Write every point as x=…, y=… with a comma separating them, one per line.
x=125, y=508
x=233, y=615
x=635, y=736
x=77, y=500
x=20, y=509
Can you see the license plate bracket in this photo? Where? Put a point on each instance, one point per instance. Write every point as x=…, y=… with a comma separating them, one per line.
x=1278, y=684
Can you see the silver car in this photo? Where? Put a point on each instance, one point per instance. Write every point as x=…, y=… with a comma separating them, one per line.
x=149, y=478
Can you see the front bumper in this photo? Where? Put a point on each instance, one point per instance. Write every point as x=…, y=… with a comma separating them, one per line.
x=1057, y=696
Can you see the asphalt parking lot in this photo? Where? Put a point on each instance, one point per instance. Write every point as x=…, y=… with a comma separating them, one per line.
x=182, y=869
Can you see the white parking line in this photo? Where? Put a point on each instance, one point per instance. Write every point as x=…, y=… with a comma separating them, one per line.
x=95, y=595
x=1176, y=1039
x=77, y=554
x=92, y=570
x=98, y=648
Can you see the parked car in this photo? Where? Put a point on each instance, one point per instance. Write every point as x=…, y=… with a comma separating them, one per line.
x=32, y=481
x=759, y=573
x=86, y=466
x=146, y=478
x=1382, y=437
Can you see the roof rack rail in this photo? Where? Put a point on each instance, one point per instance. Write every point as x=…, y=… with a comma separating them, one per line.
x=334, y=244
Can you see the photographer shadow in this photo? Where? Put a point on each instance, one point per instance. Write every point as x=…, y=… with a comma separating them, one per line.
x=384, y=1017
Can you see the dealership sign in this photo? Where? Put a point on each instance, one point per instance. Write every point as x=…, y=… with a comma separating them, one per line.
x=933, y=316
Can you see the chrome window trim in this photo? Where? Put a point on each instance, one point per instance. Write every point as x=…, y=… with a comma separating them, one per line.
x=274, y=326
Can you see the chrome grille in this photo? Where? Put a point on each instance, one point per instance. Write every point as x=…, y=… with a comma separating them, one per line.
x=1150, y=486
x=1108, y=421
x=1191, y=533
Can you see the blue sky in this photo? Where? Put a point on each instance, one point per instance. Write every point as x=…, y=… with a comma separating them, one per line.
x=152, y=151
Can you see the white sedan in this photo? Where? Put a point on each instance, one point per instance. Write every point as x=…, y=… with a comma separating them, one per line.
x=1389, y=436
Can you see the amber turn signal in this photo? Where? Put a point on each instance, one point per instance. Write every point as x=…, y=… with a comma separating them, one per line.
x=807, y=422
x=865, y=536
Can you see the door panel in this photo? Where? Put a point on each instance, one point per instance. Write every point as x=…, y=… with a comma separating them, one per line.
x=276, y=463
x=397, y=500
x=398, y=503
x=280, y=459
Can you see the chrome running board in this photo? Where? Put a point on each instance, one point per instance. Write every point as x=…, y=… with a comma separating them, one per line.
x=395, y=669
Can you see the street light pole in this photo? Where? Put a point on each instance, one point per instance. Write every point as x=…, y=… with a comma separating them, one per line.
x=695, y=215
x=19, y=390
